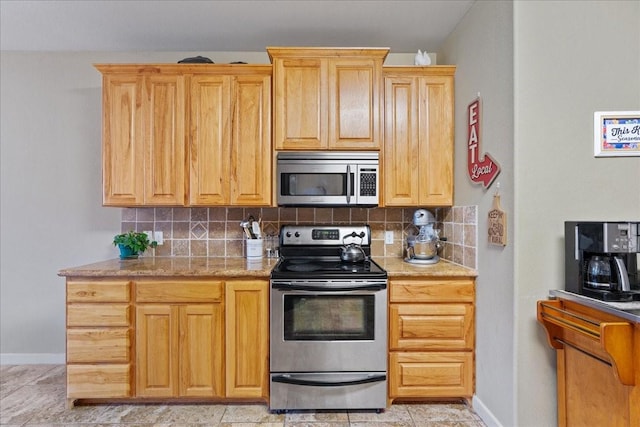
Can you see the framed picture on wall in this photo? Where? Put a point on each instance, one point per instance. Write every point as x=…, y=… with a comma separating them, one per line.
x=616, y=133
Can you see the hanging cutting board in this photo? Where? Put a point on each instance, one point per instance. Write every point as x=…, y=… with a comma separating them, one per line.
x=497, y=223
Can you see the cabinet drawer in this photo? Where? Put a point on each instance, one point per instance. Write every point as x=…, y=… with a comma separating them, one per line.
x=431, y=326
x=98, y=381
x=98, y=315
x=437, y=374
x=107, y=291
x=460, y=290
x=176, y=291
x=98, y=345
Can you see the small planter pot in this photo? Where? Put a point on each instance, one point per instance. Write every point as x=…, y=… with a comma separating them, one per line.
x=126, y=252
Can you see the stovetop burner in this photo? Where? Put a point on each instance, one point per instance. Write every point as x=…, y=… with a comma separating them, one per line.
x=313, y=252
x=294, y=268
x=327, y=266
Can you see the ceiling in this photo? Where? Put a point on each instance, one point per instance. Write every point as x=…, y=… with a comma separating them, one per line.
x=226, y=26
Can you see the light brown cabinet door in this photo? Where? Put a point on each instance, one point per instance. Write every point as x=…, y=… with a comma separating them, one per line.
x=230, y=160
x=164, y=130
x=201, y=350
x=418, y=161
x=156, y=351
x=431, y=327
x=247, y=338
x=93, y=381
x=210, y=140
x=431, y=374
x=143, y=138
x=436, y=140
x=401, y=158
x=589, y=393
x=354, y=104
x=122, y=140
x=300, y=103
x=251, y=141
x=327, y=99
x=179, y=350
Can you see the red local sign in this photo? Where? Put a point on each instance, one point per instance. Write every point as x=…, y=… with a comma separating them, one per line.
x=481, y=170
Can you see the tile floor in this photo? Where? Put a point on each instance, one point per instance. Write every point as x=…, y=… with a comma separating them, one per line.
x=34, y=395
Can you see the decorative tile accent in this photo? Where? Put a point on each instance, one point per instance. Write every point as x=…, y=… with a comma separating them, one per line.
x=199, y=230
x=216, y=232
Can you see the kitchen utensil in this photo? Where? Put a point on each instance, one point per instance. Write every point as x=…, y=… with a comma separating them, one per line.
x=352, y=252
x=424, y=249
x=607, y=273
x=599, y=273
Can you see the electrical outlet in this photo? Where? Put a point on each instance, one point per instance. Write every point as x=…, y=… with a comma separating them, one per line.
x=388, y=237
x=149, y=235
x=159, y=237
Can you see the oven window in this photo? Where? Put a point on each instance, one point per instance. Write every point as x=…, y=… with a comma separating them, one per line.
x=329, y=317
x=314, y=184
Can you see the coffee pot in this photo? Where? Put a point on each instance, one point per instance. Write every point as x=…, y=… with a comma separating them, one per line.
x=607, y=273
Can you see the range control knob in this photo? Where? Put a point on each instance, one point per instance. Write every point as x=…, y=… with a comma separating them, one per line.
x=288, y=234
x=297, y=234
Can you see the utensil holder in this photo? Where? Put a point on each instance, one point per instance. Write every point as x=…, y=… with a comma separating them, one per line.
x=254, y=248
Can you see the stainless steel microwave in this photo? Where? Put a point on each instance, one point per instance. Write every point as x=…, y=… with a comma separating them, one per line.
x=328, y=178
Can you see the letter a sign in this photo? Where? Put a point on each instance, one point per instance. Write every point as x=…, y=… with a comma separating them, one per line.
x=482, y=168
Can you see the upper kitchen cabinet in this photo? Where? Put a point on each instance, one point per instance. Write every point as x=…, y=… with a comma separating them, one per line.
x=230, y=137
x=177, y=134
x=327, y=98
x=143, y=139
x=418, y=136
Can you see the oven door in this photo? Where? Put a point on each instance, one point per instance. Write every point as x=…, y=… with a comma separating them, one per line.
x=341, y=328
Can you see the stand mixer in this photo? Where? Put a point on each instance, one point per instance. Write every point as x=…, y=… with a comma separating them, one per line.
x=423, y=248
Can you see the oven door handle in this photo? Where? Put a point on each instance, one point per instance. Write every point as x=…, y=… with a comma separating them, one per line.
x=312, y=288
x=291, y=379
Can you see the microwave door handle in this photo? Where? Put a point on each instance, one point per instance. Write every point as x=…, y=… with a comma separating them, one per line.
x=348, y=184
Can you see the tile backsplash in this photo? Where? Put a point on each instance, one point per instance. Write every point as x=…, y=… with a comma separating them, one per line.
x=216, y=232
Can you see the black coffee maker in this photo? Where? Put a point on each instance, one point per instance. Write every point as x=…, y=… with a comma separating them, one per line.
x=601, y=259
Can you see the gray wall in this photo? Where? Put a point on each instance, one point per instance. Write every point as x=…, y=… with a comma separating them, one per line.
x=553, y=64
x=571, y=59
x=482, y=48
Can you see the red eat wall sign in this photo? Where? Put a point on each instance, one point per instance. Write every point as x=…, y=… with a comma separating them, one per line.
x=481, y=170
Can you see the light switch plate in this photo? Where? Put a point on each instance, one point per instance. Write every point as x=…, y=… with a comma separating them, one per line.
x=388, y=237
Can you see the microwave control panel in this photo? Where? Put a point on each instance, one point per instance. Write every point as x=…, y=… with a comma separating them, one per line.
x=368, y=182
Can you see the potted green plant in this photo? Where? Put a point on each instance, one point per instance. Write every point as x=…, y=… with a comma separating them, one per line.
x=132, y=243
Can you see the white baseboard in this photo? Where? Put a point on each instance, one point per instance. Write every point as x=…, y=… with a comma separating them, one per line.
x=32, y=358
x=483, y=412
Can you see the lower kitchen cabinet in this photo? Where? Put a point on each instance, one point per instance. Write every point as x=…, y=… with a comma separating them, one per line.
x=247, y=338
x=179, y=339
x=167, y=338
x=98, y=339
x=179, y=350
x=431, y=338
x=598, y=370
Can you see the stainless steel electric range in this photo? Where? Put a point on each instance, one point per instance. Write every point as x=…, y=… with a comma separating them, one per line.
x=328, y=321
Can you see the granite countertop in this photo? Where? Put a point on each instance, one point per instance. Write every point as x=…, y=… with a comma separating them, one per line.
x=240, y=267
x=175, y=266
x=396, y=267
